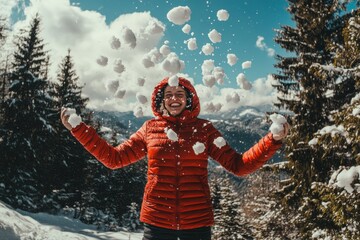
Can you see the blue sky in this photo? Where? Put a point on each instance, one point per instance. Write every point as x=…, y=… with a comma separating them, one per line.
x=86, y=27
x=248, y=20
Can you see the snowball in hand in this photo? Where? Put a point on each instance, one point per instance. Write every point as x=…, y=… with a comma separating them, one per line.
x=74, y=119
x=278, y=122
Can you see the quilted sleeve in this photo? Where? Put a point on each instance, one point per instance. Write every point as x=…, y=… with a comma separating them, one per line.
x=245, y=163
x=122, y=155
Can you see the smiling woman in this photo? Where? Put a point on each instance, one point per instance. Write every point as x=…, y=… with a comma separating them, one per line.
x=176, y=202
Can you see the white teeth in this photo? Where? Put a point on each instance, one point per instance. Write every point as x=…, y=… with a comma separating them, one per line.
x=175, y=105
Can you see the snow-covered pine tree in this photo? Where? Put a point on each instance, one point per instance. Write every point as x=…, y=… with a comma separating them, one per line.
x=26, y=121
x=301, y=90
x=71, y=157
x=315, y=82
x=332, y=205
x=229, y=222
x=130, y=219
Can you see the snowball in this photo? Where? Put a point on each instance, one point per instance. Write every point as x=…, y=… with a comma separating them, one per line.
x=171, y=134
x=209, y=80
x=219, y=74
x=118, y=66
x=186, y=29
x=120, y=93
x=231, y=59
x=207, y=49
x=246, y=64
x=214, y=36
x=102, y=61
x=112, y=86
x=173, y=64
x=173, y=81
x=220, y=142
x=165, y=50
x=129, y=37
x=141, y=98
x=154, y=27
x=70, y=111
x=191, y=43
x=115, y=43
x=138, y=112
x=243, y=82
x=222, y=15
x=198, y=148
x=141, y=81
x=207, y=67
x=147, y=63
x=74, y=119
x=278, y=121
x=179, y=15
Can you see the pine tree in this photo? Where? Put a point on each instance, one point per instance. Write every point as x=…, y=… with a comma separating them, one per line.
x=27, y=110
x=318, y=83
x=300, y=88
x=228, y=220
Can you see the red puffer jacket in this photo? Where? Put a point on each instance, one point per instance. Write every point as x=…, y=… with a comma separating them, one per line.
x=177, y=194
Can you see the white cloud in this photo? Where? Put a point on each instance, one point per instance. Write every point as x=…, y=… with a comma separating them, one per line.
x=89, y=37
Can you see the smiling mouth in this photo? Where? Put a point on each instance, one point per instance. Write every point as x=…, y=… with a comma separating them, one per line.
x=175, y=105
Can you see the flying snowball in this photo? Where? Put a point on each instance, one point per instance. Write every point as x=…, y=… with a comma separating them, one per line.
x=138, y=112
x=191, y=43
x=246, y=64
x=231, y=59
x=141, y=81
x=220, y=142
x=165, y=50
x=198, y=148
x=243, y=82
x=129, y=37
x=173, y=64
x=102, y=61
x=222, y=15
x=141, y=98
x=120, y=93
x=214, y=36
x=118, y=66
x=179, y=15
x=209, y=80
x=171, y=134
x=173, y=81
x=112, y=86
x=115, y=43
x=186, y=29
x=207, y=49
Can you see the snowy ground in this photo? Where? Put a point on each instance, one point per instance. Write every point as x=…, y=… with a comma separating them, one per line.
x=20, y=225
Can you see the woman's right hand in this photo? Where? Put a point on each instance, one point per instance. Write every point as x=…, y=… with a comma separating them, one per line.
x=65, y=119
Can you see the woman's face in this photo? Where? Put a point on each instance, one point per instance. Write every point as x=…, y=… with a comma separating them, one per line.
x=174, y=100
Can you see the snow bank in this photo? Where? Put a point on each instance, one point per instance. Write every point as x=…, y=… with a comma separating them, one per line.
x=16, y=224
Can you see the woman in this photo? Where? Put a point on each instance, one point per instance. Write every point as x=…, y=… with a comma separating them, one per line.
x=176, y=202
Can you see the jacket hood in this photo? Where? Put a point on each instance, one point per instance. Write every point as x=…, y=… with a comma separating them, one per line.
x=193, y=104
